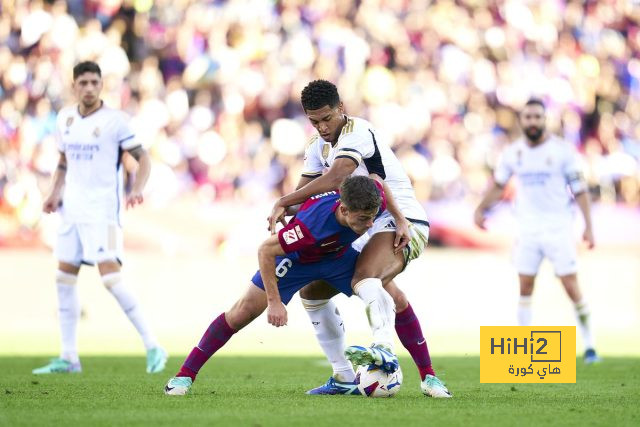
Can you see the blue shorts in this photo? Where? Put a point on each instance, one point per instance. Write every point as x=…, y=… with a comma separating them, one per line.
x=293, y=276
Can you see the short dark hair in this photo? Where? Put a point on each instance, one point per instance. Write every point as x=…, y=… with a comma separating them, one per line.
x=319, y=93
x=360, y=193
x=535, y=101
x=86, y=67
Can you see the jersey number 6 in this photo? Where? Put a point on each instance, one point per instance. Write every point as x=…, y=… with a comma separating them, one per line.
x=283, y=267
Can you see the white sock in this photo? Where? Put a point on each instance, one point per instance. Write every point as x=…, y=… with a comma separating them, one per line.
x=68, y=314
x=329, y=328
x=583, y=315
x=129, y=304
x=525, y=314
x=380, y=310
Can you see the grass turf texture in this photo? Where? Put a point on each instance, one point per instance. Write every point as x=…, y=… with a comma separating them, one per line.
x=268, y=391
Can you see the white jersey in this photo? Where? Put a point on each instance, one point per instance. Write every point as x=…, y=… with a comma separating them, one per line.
x=359, y=142
x=93, y=146
x=543, y=173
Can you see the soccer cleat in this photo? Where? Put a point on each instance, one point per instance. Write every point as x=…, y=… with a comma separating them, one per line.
x=432, y=387
x=156, y=360
x=333, y=387
x=178, y=386
x=378, y=356
x=58, y=365
x=590, y=357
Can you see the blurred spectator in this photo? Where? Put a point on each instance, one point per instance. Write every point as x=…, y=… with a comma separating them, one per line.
x=214, y=87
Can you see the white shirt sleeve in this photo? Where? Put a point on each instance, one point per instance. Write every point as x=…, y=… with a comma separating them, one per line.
x=503, y=171
x=313, y=166
x=58, y=135
x=126, y=137
x=572, y=170
x=355, y=146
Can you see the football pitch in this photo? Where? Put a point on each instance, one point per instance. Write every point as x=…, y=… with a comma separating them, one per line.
x=269, y=391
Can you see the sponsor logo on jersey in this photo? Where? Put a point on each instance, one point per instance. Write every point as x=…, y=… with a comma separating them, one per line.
x=317, y=196
x=293, y=235
x=328, y=243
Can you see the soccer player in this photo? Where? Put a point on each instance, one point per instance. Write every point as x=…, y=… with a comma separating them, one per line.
x=348, y=146
x=87, y=190
x=544, y=166
x=316, y=244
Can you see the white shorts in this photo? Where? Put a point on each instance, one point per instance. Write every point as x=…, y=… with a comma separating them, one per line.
x=558, y=246
x=385, y=223
x=89, y=243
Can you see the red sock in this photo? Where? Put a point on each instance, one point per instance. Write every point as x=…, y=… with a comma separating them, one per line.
x=410, y=334
x=216, y=335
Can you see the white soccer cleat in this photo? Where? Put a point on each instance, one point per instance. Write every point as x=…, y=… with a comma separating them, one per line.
x=432, y=387
x=178, y=386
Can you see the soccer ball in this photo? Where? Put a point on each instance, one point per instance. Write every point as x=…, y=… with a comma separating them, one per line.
x=374, y=382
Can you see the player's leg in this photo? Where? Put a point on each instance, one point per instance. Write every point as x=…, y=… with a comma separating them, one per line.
x=69, y=253
x=570, y=283
x=562, y=252
x=527, y=256
x=328, y=326
x=219, y=332
x=377, y=264
x=525, y=314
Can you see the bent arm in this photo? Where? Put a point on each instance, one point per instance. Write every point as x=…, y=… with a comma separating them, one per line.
x=330, y=181
x=267, y=254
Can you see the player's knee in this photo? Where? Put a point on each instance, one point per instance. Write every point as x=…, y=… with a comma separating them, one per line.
x=400, y=300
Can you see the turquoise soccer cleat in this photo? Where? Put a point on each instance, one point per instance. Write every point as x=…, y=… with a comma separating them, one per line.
x=432, y=387
x=378, y=356
x=178, y=386
x=58, y=365
x=156, y=360
x=333, y=387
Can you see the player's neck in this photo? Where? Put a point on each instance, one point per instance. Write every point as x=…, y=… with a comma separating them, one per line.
x=84, y=111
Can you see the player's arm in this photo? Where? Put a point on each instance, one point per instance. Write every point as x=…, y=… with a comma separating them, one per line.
x=582, y=199
x=267, y=253
x=52, y=202
x=142, y=175
x=403, y=236
x=330, y=181
x=491, y=197
x=304, y=180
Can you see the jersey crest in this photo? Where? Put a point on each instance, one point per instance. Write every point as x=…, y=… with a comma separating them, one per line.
x=69, y=121
x=96, y=132
x=326, y=147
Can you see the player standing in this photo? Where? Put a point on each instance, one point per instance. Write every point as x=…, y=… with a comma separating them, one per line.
x=345, y=146
x=315, y=245
x=87, y=188
x=544, y=166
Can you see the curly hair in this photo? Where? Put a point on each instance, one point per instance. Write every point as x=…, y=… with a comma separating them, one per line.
x=318, y=94
x=360, y=193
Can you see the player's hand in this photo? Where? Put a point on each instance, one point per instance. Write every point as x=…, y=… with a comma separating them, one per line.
x=478, y=218
x=51, y=203
x=403, y=235
x=134, y=198
x=277, y=215
x=587, y=236
x=277, y=314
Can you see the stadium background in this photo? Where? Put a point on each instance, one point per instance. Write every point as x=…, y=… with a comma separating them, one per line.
x=213, y=90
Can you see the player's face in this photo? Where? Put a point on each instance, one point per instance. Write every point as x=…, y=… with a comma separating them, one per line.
x=327, y=121
x=359, y=221
x=532, y=120
x=87, y=87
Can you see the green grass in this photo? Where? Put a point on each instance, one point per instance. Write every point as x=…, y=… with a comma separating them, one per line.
x=265, y=391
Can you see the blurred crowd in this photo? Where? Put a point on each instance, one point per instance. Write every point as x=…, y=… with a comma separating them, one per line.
x=213, y=87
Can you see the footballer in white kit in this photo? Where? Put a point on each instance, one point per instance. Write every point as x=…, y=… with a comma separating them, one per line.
x=345, y=146
x=548, y=179
x=87, y=189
